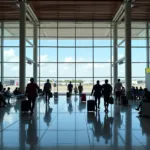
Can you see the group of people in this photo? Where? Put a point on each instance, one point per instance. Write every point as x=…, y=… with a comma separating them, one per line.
x=137, y=93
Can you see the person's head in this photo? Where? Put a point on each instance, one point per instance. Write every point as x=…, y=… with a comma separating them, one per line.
x=140, y=87
x=32, y=80
x=8, y=88
x=118, y=80
x=80, y=83
x=4, y=89
x=145, y=90
x=70, y=82
x=47, y=80
x=98, y=82
x=106, y=81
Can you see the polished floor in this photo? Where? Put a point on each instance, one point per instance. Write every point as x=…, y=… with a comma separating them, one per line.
x=66, y=125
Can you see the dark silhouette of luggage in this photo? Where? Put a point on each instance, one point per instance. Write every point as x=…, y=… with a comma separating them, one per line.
x=25, y=106
x=90, y=105
x=83, y=97
x=68, y=95
x=124, y=100
x=55, y=95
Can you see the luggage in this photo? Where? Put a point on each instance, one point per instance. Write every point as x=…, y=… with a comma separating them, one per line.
x=68, y=95
x=124, y=100
x=55, y=95
x=83, y=97
x=50, y=94
x=111, y=100
x=25, y=106
x=90, y=105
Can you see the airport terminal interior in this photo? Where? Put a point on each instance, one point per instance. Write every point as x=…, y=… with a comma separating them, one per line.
x=81, y=41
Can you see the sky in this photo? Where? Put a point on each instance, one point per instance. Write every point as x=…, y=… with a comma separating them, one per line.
x=66, y=55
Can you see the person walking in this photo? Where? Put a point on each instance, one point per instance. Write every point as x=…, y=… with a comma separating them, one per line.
x=70, y=87
x=97, y=92
x=31, y=92
x=118, y=91
x=80, y=88
x=106, y=90
x=47, y=90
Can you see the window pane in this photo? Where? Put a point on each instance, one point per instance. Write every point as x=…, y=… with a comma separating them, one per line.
x=84, y=69
x=138, y=69
x=66, y=69
x=102, y=42
x=66, y=55
x=29, y=52
x=81, y=32
x=48, y=54
x=121, y=70
x=138, y=54
x=84, y=54
x=48, y=42
x=66, y=42
x=102, y=55
x=139, y=82
x=48, y=69
x=139, y=42
x=84, y=42
x=11, y=42
x=102, y=70
x=11, y=69
x=69, y=32
x=29, y=70
x=11, y=54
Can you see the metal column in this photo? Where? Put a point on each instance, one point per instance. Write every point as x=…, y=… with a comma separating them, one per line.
x=2, y=52
x=147, y=38
x=115, y=54
x=22, y=71
x=35, y=52
x=128, y=68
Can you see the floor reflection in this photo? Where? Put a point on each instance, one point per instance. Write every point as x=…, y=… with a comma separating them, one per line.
x=66, y=124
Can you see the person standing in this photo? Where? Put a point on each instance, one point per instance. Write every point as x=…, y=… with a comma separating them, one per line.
x=31, y=91
x=1, y=86
x=80, y=88
x=97, y=92
x=47, y=90
x=118, y=90
x=70, y=87
x=107, y=90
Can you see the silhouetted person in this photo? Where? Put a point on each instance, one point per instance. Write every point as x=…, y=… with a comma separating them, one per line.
x=97, y=90
x=47, y=117
x=118, y=90
x=31, y=91
x=7, y=94
x=80, y=88
x=107, y=90
x=70, y=87
x=47, y=90
x=75, y=90
x=1, y=86
x=15, y=92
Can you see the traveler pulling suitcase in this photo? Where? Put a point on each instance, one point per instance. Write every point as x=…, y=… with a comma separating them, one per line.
x=25, y=106
x=91, y=105
x=83, y=97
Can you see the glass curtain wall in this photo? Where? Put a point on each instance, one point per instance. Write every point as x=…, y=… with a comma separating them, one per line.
x=139, y=48
x=74, y=51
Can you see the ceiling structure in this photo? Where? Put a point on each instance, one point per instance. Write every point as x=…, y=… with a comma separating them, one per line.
x=75, y=10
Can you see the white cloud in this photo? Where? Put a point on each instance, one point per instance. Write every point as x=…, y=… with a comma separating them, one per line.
x=10, y=56
x=68, y=59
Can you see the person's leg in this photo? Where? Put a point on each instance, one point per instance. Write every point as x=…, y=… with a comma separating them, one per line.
x=105, y=103
x=140, y=105
x=33, y=104
x=30, y=107
x=98, y=102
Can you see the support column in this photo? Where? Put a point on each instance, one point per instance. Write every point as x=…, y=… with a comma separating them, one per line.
x=2, y=52
x=22, y=71
x=128, y=68
x=115, y=54
x=147, y=51
x=35, y=40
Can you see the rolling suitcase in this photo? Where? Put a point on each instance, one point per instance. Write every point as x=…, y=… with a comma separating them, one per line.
x=83, y=97
x=90, y=105
x=25, y=106
x=124, y=100
x=55, y=95
x=68, y=95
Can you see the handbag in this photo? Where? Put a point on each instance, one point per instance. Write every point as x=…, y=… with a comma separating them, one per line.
x=50, y=94
x=111, y=100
